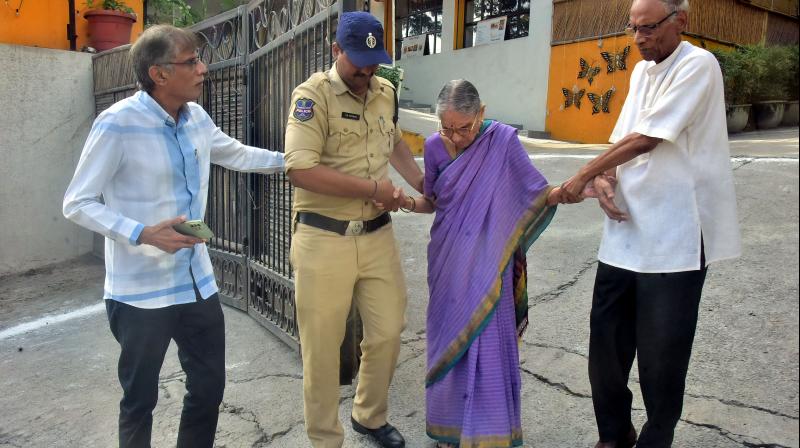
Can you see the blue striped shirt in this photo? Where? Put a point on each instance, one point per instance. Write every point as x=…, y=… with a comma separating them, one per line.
x=148, y=168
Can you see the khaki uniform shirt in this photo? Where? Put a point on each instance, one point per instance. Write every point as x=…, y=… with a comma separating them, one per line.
x=329, y=125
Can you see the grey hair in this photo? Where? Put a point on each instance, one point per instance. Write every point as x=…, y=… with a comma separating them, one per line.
x=676, y=5
x=158, y=44
x=458, y=95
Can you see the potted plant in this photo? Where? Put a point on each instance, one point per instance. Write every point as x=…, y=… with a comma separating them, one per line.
x=791, y=116
x=110, y=23
x=769, y=96
x=739, y=73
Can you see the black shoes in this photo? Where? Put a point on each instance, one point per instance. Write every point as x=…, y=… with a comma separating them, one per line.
x=387, y=435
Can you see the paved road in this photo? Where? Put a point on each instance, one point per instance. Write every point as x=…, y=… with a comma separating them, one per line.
x=57, y=356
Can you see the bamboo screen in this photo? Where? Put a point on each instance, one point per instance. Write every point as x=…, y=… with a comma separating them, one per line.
x=722, y=20
x=782, y=30
x=112, y=70
x=113, y=77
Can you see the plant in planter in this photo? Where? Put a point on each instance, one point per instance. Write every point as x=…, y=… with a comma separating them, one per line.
x=770, y=93
x=739, y=73
x=110, y=23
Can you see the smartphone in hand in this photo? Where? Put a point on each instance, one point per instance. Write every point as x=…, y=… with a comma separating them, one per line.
x=196, y=228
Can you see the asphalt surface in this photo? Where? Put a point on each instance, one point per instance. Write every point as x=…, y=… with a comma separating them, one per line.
x=58, y=358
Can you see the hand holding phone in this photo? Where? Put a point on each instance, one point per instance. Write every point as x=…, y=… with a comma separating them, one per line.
x=196, y=228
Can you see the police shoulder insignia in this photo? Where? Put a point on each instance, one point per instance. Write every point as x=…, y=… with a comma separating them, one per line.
x=303, y=109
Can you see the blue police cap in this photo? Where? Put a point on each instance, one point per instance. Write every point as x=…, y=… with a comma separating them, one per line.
x=360, y=35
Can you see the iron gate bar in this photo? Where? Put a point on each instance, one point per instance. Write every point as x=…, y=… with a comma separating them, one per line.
x=256, y=55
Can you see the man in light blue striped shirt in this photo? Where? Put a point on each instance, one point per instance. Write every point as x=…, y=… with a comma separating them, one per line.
x=149, y=158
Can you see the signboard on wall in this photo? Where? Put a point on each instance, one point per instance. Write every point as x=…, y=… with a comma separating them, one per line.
x=414, y=45
x=490, y=31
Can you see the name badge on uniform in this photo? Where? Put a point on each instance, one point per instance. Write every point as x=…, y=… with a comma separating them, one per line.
x=351, y=116
x=303, y=109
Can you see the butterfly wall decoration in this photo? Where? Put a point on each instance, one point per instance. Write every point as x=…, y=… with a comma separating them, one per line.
x=601, y=102
x=616, y=61
x=572, y=97
x=588, y=71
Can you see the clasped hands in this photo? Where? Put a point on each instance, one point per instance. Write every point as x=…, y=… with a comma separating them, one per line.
x=602, y=187
x=389, y=197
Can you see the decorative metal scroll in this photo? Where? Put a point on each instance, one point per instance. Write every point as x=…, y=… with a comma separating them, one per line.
x=221, y=37
x=270, y=19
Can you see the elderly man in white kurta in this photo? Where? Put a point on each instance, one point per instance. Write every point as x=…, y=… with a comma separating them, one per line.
x=673, y=212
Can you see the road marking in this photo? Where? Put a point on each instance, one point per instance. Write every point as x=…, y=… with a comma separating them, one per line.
x=51, y=320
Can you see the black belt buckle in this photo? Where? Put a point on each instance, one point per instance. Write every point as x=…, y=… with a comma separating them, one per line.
x=355, y=228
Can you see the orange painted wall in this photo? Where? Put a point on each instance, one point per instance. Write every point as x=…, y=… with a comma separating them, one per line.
x=43, y=23
x=580, y=125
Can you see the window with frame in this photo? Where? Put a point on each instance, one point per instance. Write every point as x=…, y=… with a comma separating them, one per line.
x=516, y=11
x=417, y=17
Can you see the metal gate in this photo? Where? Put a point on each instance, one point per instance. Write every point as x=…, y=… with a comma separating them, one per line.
x=257, y=54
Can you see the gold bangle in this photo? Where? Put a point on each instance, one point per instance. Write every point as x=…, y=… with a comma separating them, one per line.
x=413, y=204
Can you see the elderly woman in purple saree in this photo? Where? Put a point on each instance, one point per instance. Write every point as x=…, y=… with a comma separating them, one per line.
x=491, y=204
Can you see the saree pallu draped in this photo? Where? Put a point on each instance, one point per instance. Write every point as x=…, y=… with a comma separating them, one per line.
x=490, y=207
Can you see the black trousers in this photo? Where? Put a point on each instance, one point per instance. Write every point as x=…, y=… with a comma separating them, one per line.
x=144, y=334
x=654, y=315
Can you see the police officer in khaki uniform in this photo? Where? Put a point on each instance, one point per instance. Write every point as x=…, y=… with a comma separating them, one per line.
x=340, y=138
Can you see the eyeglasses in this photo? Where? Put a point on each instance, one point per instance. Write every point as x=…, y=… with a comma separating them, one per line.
x=463, y=132
x=191, y=63
x=646, y=30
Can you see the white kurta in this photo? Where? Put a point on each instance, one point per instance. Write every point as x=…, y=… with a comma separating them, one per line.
x=684, y=187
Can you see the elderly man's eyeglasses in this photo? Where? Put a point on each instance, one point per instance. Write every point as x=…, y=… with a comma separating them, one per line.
x=191, y=63
x=646, y=30
x=463, y=132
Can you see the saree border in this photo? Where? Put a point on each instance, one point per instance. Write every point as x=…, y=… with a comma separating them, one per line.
x=452, y=434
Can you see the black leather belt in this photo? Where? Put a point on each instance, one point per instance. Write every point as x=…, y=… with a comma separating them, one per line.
x=344, y=228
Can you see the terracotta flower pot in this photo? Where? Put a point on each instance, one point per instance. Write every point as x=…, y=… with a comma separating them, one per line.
x=109, y=29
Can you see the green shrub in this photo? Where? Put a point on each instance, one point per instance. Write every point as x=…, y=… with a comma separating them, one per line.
x=793, y=78
x=772, y=82
x=740, y=74
x=112, y=5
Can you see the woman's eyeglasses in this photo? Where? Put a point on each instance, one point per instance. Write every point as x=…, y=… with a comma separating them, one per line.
x=463, y=132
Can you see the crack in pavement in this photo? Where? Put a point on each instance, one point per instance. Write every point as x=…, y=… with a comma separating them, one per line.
x=562, y=288
x=732, y=436
x=277, y=435
x=412, y=340
x=723, y=432
x=11, y=440
x=560, y=386
x=293, y=376
x=556, y=347
x=739, y=404
x=727, y=402
x=242, y=413
x=745, y=162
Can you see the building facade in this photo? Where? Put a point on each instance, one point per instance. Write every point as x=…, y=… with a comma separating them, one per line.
x=554, y=67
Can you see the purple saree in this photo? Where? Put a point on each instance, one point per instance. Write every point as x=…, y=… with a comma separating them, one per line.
x=490, y=205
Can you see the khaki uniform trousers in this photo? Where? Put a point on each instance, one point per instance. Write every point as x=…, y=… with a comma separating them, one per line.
x=331, y=272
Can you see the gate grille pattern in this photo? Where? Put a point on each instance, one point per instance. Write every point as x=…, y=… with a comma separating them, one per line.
x=257, y=54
